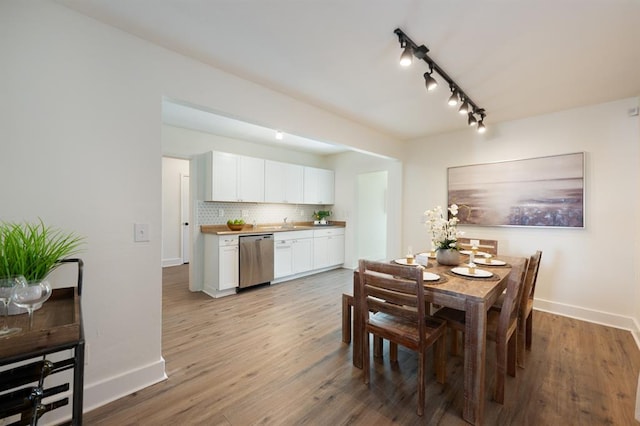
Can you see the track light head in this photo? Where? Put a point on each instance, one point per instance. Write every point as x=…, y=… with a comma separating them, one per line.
x=407, y=56
x=429, y=81
x=472, y=120
x=464, y=108
x=481, y=127
x=453, y=99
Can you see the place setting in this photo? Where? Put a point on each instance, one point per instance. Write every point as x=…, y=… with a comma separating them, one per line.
x=471, y=271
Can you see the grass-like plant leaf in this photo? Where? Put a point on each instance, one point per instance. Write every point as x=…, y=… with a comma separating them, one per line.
x=33, y=250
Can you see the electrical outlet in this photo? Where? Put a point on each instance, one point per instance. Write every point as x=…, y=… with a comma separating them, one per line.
x=301, y=212
x=245, y=213
x=220, y=212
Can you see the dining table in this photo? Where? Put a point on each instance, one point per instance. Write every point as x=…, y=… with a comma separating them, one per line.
x=472, y=294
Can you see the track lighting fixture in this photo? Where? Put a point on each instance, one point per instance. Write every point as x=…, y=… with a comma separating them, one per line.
x=464, y=108
x=453, y=99
x=429, y=81
x=472, y=120
x=481, y=128
x=457, y=95
x=407, y=56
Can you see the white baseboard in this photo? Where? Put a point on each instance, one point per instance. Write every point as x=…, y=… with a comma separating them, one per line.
x=172, y=262
x=108, y=390
x=591, y=315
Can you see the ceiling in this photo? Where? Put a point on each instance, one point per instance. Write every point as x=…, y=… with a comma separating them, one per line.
x=514, y=58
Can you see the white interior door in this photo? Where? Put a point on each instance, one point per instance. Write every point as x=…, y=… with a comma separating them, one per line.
x=184, y=217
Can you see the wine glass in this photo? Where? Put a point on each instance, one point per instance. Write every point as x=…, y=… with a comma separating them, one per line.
x=6, y=295
x=31, y=296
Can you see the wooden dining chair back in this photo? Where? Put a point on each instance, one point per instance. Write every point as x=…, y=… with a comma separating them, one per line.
x=487, y=246
x=502, y=326
x=526, y=306
x=392, y=302
x=505, y=326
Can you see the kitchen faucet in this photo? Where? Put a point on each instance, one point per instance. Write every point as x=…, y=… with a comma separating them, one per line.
x=286, y=225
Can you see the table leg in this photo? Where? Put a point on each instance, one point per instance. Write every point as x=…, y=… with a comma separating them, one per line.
x=358, y=335
x=475, y=351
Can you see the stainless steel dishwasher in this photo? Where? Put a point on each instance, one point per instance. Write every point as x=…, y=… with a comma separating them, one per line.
x=256, y=260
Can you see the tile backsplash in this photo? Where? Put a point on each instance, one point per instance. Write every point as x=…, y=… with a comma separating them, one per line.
x=208, y=212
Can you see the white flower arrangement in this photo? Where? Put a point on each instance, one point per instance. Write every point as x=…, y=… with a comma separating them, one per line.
x=444, y=232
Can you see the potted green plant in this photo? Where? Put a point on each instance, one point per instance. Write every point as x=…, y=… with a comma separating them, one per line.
x=33, y=250
x=320, y=217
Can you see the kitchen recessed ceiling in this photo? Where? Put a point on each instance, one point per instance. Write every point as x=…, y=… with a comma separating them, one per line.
x=515, y=58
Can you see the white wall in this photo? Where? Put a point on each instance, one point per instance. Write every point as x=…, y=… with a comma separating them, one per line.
x=347, y=167
x=173, y=169
x=588, y=273
x=80, y=138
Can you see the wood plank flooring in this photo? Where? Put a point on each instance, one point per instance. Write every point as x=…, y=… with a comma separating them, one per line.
x=274, y=356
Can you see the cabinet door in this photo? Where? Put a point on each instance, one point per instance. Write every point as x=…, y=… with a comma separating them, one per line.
x=302, y=255
x=283, y=258
x=250, y=179
x=336, y=250
x=228, y=263
x=283, y=182
x=224, y=172
x=318, y=186
x=320, y=252
x=326, y=186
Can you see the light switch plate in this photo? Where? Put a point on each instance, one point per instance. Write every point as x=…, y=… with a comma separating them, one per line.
x=141, y=232
x=474, y=243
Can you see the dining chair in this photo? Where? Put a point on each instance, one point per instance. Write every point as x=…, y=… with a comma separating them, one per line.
x=487, y=246
x=393, y=307
x=525, y=313
x=502, y=327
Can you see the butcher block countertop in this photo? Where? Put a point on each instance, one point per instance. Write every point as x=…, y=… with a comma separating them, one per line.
x=267, y=228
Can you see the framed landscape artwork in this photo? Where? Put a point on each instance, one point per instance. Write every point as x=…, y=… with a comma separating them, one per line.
x=545, y=191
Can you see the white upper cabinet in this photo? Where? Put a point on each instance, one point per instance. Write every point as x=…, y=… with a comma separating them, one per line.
x=283, y=182
x=318, y=186
x=235, y=178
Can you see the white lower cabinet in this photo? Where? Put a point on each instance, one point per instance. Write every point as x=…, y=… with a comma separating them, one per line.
x=293, y=253
x=221, y=260
x=328, y=247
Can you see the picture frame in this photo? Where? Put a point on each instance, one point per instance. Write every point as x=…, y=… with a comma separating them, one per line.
x=534, y=192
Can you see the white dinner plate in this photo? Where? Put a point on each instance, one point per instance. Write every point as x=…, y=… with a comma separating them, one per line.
x=430, y=276
x=480, y=273
x=403, y=261
x=427, y=254
x=494, y=262
x=478, y=253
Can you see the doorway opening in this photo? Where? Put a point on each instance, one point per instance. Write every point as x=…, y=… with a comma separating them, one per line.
x=372, y=215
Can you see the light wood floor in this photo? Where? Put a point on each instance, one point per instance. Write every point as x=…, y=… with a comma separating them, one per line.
x=274, y=356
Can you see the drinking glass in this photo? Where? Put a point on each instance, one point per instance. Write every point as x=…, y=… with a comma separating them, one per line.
x=31, y=296
x=6, y=295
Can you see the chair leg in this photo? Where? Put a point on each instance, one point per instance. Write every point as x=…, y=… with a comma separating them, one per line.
x=377, y=346
x=454, y=341
x=347, y=303
x=512, y=354
x=521, y=341
x=365, y=359
x=529, y=329
x=440, y=359
x=393, y=351
x=422, y=359
x=501, y=360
